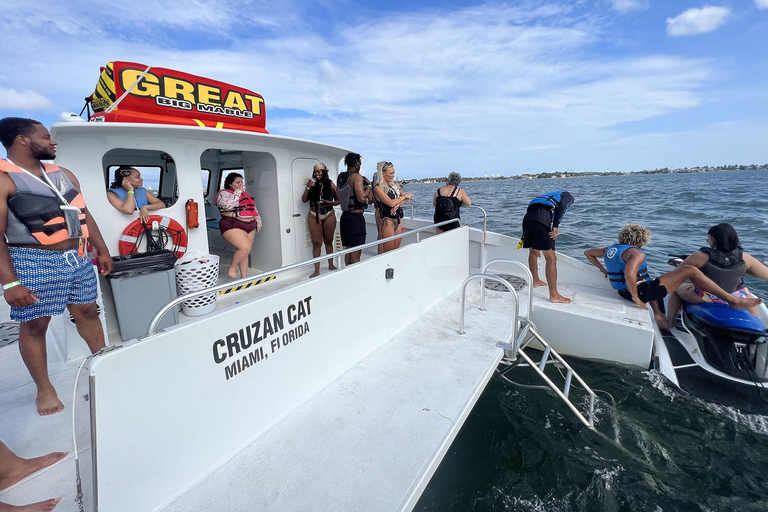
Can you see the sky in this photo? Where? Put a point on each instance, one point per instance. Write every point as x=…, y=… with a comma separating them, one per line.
x=480, y=88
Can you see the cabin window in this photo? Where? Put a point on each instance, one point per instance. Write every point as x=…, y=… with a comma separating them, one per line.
x=151, y=176
x=205, y=174
x=157, y=168
x=227, y=172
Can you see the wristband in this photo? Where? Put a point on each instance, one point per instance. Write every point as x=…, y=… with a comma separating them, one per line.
x=10, y=285
x=130, y=191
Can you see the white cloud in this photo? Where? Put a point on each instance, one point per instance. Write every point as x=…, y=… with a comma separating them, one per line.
x=25, y=100
x=626, y=6
x=761, y=4
x=492, y=86
x=698, y=21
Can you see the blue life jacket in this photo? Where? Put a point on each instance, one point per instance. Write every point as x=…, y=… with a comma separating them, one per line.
x=551, y=200
x=139, y=195
x=615, y=266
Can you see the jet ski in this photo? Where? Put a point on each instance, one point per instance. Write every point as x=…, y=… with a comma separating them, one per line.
x=718, y=354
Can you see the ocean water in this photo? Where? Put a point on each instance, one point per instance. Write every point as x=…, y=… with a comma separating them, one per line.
x=655, y=449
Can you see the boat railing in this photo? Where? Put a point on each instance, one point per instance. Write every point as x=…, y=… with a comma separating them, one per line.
x=485, y=224
x=485, y=215
x=153, y=329
x=523, y=333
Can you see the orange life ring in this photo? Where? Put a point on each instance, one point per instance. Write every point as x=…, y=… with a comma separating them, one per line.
x=131, y=237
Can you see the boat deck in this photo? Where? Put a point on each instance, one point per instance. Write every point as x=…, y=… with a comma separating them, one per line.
x=336, y=452
x=328, y=454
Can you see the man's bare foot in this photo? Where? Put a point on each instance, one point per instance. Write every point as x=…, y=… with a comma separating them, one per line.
x=231, y=273
x=661, y=321
x=745, y=302
x=22, y=468
x=314, y=274
x=559, y=299
x=41, y=506
x=538, y=283
x=331, y=266
x=48, y=403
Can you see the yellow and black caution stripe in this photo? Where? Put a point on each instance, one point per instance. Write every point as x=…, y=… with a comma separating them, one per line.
x=243, y=287
x=104, y=95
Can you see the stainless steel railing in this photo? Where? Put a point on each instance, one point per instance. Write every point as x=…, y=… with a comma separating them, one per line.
x=152, y=329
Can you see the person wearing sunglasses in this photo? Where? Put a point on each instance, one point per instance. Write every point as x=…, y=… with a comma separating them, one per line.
x=389, y=200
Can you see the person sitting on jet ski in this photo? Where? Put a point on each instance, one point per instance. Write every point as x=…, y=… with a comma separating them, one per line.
x=627, y=271
x=725, y=262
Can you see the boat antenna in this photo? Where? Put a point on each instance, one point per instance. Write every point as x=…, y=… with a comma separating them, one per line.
x=114, y=105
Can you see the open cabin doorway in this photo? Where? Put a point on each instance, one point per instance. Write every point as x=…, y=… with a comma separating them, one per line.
x=259, y=171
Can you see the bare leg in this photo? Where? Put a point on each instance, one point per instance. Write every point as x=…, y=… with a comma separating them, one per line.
x=41, y=506
x=240, y=240
x=88, y=325
x=550, y=258
x=354, y=257
x=243, y=264
x=380, y=247
x=316, y=235
x=387, y=230
x=684, y=293
x=533, y=264
x=14, y=469
x=329, y=230
x=672, y=280
x=661, y=320
x=35, y=356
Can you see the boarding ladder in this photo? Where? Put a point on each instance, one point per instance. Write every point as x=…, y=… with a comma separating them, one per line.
x=523, y=334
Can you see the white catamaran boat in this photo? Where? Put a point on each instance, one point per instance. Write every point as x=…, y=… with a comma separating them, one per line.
x=293, y=393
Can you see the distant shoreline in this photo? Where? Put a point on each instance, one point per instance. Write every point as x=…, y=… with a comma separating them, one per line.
x=569, y=174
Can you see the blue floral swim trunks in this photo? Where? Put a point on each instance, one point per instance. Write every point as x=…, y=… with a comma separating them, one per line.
x=57, y=278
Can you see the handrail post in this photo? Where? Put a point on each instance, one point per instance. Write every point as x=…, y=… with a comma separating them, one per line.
x=527, y=274
x=512, y=340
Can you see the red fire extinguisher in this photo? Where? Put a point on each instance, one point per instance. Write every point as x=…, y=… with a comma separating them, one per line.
x=192, y=214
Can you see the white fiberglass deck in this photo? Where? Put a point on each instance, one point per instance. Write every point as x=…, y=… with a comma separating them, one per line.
x=373, y=438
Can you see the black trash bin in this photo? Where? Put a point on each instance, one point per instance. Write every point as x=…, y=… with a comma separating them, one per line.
x=141, y=284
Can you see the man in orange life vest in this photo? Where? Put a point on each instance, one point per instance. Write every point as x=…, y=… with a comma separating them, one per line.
x=44, y=265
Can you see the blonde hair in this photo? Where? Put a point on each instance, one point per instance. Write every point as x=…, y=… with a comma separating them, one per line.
x=380, y=168
x=635, y=234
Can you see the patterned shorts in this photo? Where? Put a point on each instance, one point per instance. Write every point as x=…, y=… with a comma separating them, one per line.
x=708, y=297
x=57, y=278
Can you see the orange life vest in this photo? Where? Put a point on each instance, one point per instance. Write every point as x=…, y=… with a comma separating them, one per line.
x=34, y=213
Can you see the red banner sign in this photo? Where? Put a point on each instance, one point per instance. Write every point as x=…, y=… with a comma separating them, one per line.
x=166, y=96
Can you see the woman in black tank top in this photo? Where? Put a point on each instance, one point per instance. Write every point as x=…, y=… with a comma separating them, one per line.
x=725, y=263
x=449, y=210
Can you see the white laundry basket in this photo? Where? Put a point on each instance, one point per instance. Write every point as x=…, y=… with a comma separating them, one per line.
x=197, y=271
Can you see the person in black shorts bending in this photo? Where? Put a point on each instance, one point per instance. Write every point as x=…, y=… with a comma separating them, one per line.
x=540, y=228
